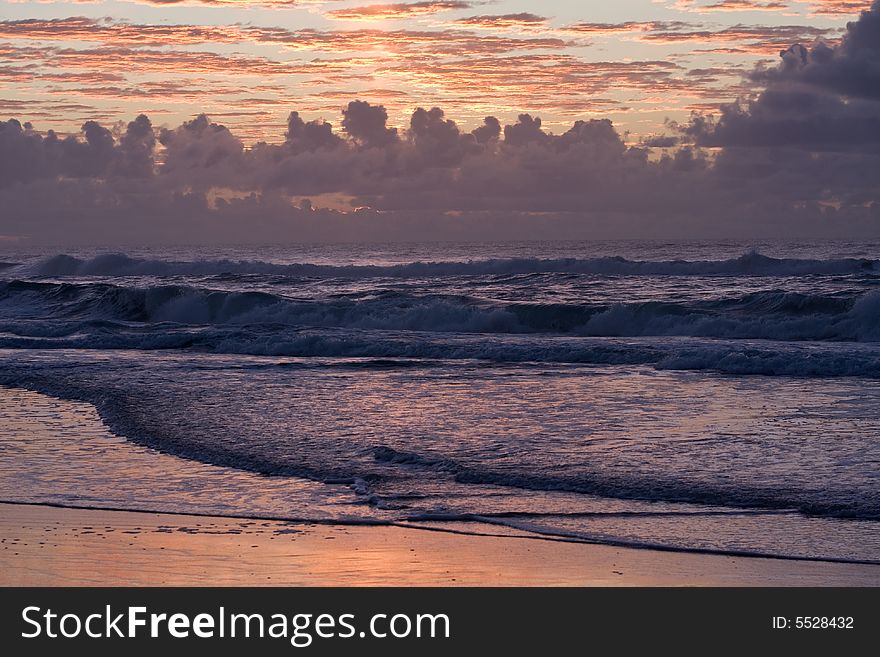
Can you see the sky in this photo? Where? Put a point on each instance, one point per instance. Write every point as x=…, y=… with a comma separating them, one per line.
x=300, y=120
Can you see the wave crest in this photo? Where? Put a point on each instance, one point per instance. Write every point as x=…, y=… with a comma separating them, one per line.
x=748, y=264
x=773, y=314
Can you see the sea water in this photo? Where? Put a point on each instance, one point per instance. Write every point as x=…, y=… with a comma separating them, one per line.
x=692, y=396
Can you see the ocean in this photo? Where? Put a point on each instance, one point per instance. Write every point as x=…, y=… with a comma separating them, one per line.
x=709, y=397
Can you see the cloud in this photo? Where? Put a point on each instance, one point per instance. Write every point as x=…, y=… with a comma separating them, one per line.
x=230, y=3
x=96, y=153
x=815, y=7
x=791, y=117
x=627, y=27
x=759, y=39
x=558, y=83
x=436, y=140
x=366, y=124
x=661, y=141
x=135, y=149
x=423, y=42
x=823, y=97
x=310, y=136
x=431, y=180
x=527, y=130
x=201, y=152
x=521, y=20
x=151, y=60
x=270, y=4
x=799, y=158
x=753, y=39
x=731, y=5
x=396, y=11
x=488, y=132
x=836, y=7
x=130, y=67
x=851, y=69
x=106, y=30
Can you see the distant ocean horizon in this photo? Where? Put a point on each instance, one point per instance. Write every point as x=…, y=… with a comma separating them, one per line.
x=698, y=396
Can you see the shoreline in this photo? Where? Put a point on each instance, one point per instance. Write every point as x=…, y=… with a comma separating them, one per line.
x=44, y=545
x=491, y=530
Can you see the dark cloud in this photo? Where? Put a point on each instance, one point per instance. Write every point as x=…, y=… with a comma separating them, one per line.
x=851, y=69
x=526, y=130
x=823, y=98
x=435, y=139
x=199, y=182
x=202, y=154
x=791, y=117
x=311, y=136
x=489, y=131
x=136, y=148
x=598, y=134
x=27, y=155
x=367, y=124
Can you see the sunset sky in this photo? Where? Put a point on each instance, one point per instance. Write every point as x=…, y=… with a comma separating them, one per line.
x=659, y=70
x=248, y=63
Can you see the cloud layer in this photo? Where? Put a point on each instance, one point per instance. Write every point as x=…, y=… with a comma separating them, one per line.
x=800, y=157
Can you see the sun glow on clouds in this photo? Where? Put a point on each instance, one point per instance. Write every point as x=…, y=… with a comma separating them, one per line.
x=396, y=11
x=278, y=4
x=474, y=57
x=788, y=7
x=582, y=122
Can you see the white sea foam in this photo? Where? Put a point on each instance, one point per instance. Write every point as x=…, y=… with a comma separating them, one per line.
x=34, y=308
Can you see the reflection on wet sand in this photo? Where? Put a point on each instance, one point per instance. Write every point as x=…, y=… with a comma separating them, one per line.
x=42, y=545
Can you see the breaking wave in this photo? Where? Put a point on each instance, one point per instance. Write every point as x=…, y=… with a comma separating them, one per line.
x=647, y=490
x=388, y=348
x=770, y=315
x=749, y=264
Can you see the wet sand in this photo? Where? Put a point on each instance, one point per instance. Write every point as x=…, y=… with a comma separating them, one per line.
x=42, y=545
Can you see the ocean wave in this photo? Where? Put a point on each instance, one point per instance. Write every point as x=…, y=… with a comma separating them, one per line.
x=382, y=468
x=749, y=264
x=736, y=357
x=120, y=409
x=771, y=315
x=643, y=489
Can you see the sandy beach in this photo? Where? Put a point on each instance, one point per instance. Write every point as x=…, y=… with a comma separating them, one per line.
x=41, y=545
